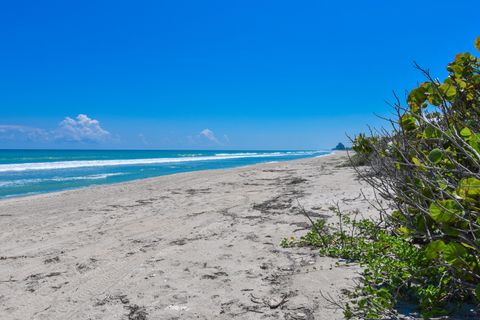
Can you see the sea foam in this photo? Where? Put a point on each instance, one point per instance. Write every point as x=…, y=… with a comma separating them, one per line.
x=22, y=182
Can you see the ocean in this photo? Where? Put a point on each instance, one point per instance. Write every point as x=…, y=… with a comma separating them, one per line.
x=25, y=172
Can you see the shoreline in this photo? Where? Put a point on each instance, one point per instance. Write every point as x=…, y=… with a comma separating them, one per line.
x=156, y=177
x=194, y=245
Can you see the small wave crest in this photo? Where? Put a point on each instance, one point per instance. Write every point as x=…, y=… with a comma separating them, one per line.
x=23, y=182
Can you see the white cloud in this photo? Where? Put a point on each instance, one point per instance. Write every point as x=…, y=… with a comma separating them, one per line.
x=82, y=128
x=206, y=138
x=207, y=133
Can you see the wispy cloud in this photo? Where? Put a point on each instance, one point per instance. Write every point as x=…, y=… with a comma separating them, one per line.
x=80, y=129
x=209, y=135
x=22, y=133
x=226, y=139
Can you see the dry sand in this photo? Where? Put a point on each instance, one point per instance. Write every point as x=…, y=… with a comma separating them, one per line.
x=199, y=245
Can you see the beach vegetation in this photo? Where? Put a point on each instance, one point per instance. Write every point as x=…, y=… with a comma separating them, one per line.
x=425, y=249
x=396, y=272
x=427, y=165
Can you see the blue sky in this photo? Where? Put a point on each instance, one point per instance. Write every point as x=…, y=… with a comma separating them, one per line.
x=214, y=74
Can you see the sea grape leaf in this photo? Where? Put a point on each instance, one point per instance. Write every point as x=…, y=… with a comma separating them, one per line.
x=448, y=90
x=456, y=69
x=431, y=132
x=450, y=231
x=473, y=142
x=454, y=253
x=469, y=188
x=416, y=98
x=466, y=132
x=445, y=211
x=436, y=155
x=434, y=248
x=462, y=84
x=404, y=230
x=434, y=97
x=408, y=122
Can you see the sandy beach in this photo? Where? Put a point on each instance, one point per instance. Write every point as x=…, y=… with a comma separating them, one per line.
x=198, y=245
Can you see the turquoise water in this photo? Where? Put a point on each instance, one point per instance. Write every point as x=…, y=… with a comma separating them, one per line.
x=24, y=172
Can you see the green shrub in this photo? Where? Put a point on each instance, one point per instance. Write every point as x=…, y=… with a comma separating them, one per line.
x=394, y=269
x=428, y=168
x=427, y=249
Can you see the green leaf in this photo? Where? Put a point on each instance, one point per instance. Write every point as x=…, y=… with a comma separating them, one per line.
x=416, y=161
x=445, y=211
x=462, y=84
x=404, y=230
x=408, y=122
x=456, y=69
x=473, y=142
x=431, y=132
x=450, y=231
x=436, y=155
x=454, y=253
x=466, y=132
x=477, y=43
x=432, y=93
x=477, y=289
x=416, y=99
x=448, y=90
x=469, y=188
x=434, y=248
